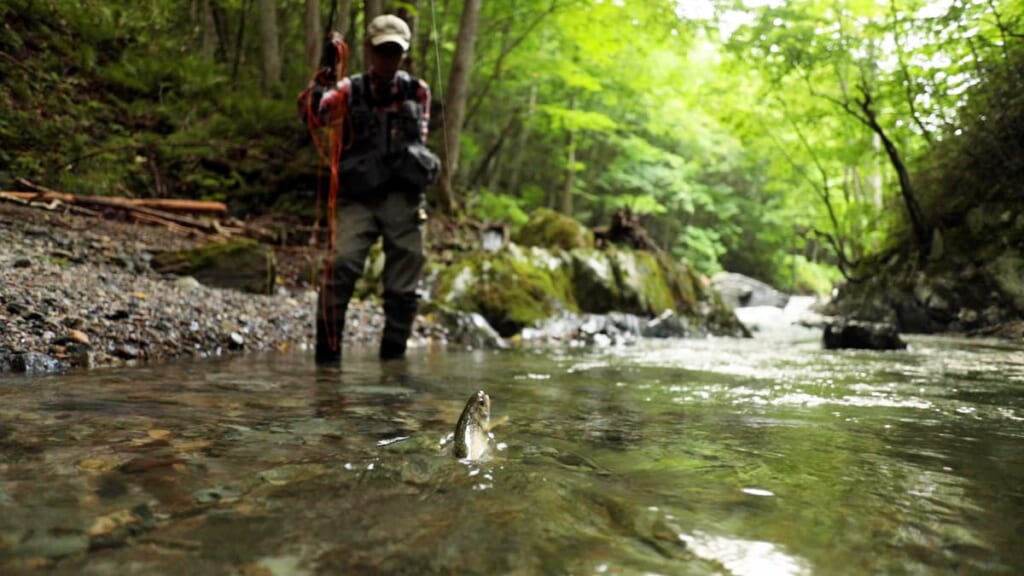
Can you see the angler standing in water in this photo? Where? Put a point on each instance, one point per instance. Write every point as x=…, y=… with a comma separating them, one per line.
x=380, y=118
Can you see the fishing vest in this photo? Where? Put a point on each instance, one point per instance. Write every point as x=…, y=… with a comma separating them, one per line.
x=384, y=150
x=379, y=125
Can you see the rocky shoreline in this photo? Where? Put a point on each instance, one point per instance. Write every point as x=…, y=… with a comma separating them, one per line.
x=78, y=292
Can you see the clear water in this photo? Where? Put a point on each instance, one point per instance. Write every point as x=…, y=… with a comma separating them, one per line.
x=751, y=457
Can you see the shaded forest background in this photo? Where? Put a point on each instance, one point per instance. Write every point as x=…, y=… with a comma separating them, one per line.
x=788, y=141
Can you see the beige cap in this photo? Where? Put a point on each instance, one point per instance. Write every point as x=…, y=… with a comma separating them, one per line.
x=388, y=28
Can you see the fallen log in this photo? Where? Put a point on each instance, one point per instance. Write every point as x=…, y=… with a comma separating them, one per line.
x=166, y=204
x=46, y=195
x=48, y=204
x=143, y=217
x=160, y=211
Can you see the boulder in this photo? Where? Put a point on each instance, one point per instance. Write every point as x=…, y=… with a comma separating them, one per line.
x=244, y=265
x=511, y=288
x=29, y=363
x=1007, y=272
x=738, y=290
x=613, y=329
x=470, y=329
x=668, y=324
x=594, y=284
x=549, y=229
x=856, y=334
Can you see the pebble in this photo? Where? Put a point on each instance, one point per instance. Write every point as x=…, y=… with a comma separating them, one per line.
x=85, y=308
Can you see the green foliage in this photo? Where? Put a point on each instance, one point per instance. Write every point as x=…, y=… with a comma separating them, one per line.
x=812, y=277
x=701, y=247
x=500, y=207
x=741, y=142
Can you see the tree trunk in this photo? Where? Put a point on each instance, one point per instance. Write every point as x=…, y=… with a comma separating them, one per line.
x=410, y=12
x=240, y=40
x=314, y=36
x=565, y=205
x=455, y=101
x=220, y=25
x=372, y=9
x=922, y=231
x=268, y=48
x=209, y=26
x=524, y=139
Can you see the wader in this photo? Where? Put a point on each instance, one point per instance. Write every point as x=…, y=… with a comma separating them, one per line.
x=395, y=217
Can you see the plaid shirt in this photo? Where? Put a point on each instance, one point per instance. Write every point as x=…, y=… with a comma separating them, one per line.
x=342, y=92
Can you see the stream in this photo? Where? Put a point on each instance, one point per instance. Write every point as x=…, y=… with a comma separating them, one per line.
x=762, y=456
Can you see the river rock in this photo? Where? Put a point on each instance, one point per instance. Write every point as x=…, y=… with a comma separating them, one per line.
x=244, y=265
x=862, y=335
x=29, y=363
x=668, y=324
x=738, y=290
x=470, y=329
x=1007, y=273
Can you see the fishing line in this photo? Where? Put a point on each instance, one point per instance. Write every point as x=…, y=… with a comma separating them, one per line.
x=440, y=86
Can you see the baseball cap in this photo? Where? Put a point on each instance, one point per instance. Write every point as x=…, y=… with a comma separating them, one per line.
x=388, y=28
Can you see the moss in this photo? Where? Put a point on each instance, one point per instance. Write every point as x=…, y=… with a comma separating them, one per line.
x=507, y=288
x=593, y=281
x=370, y=284
x=549, y=229
x=240, y=264
x=683, y=283
x=657, y=294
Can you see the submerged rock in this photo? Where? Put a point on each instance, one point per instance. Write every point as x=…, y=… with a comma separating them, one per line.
x=862, y=335
x=30, y=363
x=668, y=324
x=470, y=329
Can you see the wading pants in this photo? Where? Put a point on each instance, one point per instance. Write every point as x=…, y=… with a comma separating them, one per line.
x=394, y=216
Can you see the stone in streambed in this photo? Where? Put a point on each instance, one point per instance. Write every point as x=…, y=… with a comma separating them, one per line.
x=243, y=265
x=29, y=363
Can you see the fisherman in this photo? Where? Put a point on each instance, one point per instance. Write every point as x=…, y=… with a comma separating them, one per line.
x=384, y=168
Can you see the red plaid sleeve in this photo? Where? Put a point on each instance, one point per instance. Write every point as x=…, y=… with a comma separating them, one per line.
x=423, y=96
x=334, y=101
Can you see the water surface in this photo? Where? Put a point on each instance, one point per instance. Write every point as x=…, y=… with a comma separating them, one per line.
x=720, y=456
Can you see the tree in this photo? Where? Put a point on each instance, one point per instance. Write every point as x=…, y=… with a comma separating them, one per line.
x=314, y=35
x=455, y=102
x=271, y=55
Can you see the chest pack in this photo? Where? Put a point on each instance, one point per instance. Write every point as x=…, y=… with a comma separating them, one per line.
x=384, y=146
x=384, y=123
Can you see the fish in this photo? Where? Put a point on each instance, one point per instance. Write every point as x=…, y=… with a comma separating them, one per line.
x=472, y=431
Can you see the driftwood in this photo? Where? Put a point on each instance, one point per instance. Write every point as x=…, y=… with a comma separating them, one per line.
x=172, y=214
x=165, y=204
x=169, y=213
x=624, y=229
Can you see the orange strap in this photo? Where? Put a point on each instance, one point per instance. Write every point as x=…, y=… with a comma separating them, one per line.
x=330, y=154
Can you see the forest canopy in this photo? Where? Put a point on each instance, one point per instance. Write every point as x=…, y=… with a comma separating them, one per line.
x=786, y=140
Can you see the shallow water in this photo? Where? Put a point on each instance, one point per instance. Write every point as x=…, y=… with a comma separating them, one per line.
x=767, y=456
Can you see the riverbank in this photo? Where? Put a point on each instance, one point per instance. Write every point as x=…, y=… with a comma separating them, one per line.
x=78, y=292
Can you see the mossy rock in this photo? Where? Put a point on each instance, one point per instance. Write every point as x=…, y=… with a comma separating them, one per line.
x=244, y=265
x=549, y=229
x=685, y=286
x=593, y=281
x=639, y=284
x=370, y=284
x=511, y=288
